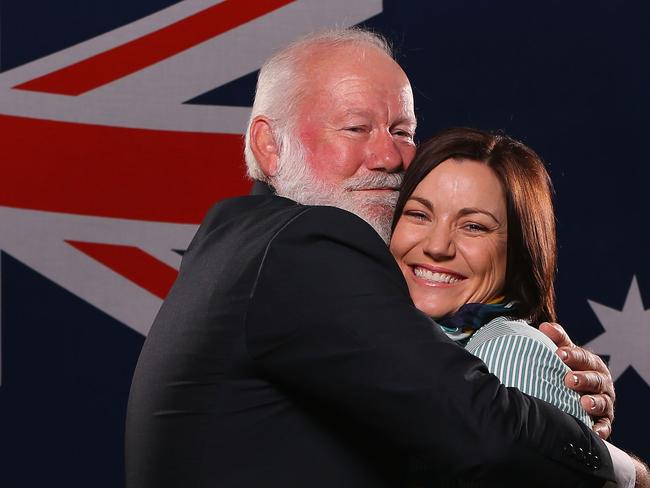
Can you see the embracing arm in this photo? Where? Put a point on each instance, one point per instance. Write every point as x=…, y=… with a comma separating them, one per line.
x=521, y=357
x=351, y=341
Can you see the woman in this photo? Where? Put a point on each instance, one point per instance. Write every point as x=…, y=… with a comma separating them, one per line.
x=474, y=235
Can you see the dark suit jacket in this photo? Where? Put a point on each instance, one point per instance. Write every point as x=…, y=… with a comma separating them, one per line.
x=289, y=354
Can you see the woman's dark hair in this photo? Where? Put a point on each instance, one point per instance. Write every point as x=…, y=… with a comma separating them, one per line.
x=532, y=254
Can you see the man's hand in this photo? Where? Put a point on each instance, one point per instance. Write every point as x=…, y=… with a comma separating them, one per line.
x=589, y=377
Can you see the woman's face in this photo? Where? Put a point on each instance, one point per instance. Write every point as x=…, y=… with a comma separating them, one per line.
x=450, y=241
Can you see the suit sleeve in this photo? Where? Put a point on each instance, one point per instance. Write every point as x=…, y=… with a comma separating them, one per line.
x=330, y=320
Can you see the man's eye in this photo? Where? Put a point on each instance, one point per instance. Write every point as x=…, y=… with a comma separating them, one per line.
x=403, y=133
x=356, y=128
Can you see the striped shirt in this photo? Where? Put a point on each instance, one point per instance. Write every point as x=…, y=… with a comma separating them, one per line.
x=524, y=358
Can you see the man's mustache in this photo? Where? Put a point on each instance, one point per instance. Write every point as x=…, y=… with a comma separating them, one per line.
x=375, y=181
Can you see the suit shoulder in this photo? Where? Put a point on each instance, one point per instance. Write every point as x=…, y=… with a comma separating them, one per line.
x=331, y=251
x=261, y=209
x=332, y=223
x=237, y=207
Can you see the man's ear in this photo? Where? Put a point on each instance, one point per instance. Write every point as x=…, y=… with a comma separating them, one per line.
x=264, y=146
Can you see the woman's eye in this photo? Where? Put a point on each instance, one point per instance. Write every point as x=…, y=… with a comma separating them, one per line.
x=474, y=227
x=415, y=214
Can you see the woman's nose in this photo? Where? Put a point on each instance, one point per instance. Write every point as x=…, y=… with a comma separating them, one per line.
x=439, y=243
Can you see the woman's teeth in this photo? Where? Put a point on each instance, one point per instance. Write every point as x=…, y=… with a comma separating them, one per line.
x=434, y=276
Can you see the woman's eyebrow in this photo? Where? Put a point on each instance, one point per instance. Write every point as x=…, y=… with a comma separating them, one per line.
x=474, y=210
x=462, y=211
x=423, y=201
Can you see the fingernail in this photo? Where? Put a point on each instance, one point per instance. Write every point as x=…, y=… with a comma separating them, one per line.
x=575, y=379
x=564, y=355
x=593, y=402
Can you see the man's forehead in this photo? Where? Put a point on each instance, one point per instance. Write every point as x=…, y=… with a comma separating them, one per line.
x=359, y=92
x=356, y=81
x=403, y=117
x=349, y=63
x=364, y=101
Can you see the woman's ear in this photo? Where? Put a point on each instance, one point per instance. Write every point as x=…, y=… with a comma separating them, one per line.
x=264, y=145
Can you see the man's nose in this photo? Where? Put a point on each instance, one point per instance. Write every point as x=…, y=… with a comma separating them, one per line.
x=439, y=243
x=384, y=153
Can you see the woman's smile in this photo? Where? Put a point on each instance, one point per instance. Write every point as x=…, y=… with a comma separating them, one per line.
x=435, y=276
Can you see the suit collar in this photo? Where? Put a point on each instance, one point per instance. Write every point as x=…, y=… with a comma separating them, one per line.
x=261, y=188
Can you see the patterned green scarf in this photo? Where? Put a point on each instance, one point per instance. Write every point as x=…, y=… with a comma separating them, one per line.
x=472, y=316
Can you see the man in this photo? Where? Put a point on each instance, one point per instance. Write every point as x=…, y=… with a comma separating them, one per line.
x=288, y=352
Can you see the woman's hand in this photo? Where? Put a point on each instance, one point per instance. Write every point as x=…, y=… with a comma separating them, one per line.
x=589, y=377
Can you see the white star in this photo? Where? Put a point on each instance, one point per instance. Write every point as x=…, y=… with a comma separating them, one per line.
x=626, y=339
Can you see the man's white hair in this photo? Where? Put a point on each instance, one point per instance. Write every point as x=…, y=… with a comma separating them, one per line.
x=280, y=84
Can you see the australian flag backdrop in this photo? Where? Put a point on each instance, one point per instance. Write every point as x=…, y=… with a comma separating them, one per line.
x=121, y=122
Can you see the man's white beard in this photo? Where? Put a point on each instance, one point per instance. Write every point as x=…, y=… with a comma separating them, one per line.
x=295, y=180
